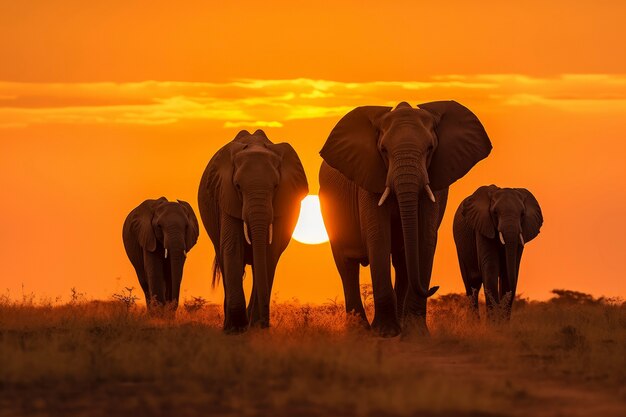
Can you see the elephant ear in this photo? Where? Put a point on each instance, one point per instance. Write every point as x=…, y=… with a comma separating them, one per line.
x=293, y=186
x=220, y=179
x=463, y=142
x=533, y=218
x=352, y=148
x=141, y=223
x=193, y=229
x=476, y=210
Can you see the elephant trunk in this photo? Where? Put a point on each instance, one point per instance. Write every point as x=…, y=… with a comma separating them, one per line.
x=259, y=229
x=174, y=243
x=177, y=263
x=408, y=183
x=511, y=254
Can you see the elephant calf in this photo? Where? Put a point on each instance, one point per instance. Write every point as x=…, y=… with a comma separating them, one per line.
x=491, y=228
x=249, y=200
x=157, y=236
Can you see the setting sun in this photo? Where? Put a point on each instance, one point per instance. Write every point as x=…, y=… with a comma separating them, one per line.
x=310, y=228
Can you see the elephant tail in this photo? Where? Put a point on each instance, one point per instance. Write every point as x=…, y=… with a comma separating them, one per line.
x=217, y=273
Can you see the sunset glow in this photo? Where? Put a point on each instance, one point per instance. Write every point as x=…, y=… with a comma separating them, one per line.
x=310, y=228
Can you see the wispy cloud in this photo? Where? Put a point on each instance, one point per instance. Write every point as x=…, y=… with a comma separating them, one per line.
x=260, y=103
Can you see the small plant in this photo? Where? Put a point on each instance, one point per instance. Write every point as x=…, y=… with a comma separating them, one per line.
x=570, y=337
x=195, y=304
x=5, y=299
x=28, y=299
x=126, y=297
x=306, y=311
x=367, y=294
x=76, y=297
x=333, y=306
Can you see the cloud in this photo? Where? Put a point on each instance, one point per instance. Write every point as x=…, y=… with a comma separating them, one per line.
x=259, y=123
x=260, y=103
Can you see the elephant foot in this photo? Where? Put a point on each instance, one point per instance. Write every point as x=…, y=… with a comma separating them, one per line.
x=472, y=317
x=236, y=322
x=161, y=311
x=356, y=321
x=415, y=326
x=234, y=330
x=387, y=327
x=259, y=323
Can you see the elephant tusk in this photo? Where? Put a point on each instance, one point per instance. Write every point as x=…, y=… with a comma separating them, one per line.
x=165, y=253
x=245, y=233
x=430, y=193
x=501, y=238
x=271, y=233
x=521, y=239
x=384, y=196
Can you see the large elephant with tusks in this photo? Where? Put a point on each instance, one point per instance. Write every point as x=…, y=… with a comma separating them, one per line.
x=249, y=200
x=383, y=191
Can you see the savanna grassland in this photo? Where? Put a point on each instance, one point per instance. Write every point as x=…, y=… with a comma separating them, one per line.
x=564, y=357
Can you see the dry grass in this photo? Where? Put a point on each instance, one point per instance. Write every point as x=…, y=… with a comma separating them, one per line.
x=111, y=358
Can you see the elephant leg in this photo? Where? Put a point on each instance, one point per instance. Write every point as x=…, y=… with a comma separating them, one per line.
x=153, y=264
x=349, y=273
x=143, y=281
x=401, y=287
x=489, y=262
x=231, y=245
x=377, y=229
x=135, y=255
x=472, y=280
x=465, y=242
x=254, y=313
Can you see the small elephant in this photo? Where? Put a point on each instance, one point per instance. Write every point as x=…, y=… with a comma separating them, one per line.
x=491, y=228
x=383, y=191
x=157, y=236
x=249, y=200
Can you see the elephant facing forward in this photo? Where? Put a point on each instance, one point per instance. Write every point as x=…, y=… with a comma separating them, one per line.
x=491, y=228
x=157, y=236
x=249, y=201
x=383, y=191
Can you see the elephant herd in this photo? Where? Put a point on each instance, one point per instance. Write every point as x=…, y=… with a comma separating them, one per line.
x=383, y=191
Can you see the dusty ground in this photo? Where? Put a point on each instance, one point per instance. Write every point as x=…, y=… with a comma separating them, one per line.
x=93, y=359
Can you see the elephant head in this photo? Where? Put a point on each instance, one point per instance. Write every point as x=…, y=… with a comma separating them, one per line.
x=512, y=215
x=174, y=227
x=408, y=152
x=257, y=181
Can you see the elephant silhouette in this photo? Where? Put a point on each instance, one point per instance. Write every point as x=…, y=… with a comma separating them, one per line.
x=249, y=199
x=383, y=192
x=491, y=228
x=157, y=236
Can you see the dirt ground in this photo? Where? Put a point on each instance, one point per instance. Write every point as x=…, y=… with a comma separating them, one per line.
x=534, y=395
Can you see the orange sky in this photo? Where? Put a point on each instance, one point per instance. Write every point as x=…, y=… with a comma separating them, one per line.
x=104, y=106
